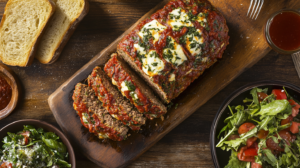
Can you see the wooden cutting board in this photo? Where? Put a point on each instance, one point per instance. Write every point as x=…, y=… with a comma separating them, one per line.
x=247, y=46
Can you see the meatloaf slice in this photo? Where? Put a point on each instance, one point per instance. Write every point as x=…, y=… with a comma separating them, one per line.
x=113, y=101
x=96, y=118
x=133, y=88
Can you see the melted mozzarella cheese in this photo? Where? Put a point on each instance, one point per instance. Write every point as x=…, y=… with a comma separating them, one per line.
x=153, y=28
x=124, y=87
x=204, y=60
x=172, y=77
x=201, y=19
x=194, y=41
x=140, y=50
x=174, y=53
x=84, y=117
x=178, y=19
x=152, y=64
x=114, y=82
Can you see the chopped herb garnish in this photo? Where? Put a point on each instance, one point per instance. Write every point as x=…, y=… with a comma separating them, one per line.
x=130, y=85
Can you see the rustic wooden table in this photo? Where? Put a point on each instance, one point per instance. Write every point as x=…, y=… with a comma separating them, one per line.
x=185, y=146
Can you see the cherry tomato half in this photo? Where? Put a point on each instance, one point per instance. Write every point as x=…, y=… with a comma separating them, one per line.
x=295, y=127
x=245, y=128
x=284, y=135
x=250, y=152
x=262, y=134
x=295, y=106
x=255, y=165
x=250, y=141
x=6, y=165
x=279, y=94
x=261, y=96
x=241, y=156
x=287, y=120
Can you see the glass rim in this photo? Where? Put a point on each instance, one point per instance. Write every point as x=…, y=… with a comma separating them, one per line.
x=268, y=37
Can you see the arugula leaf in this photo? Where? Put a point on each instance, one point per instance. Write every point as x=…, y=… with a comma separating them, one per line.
x=270, y=158
x=281, y=108
x=63, y=163
x=254, y=92
x=235, y=144
x=51, y=135
x=264, y=123
x=234, y=122
x=234, y=162
x=250, y=133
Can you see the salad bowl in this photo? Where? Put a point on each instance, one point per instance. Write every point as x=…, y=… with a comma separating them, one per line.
x=220, y=157
x=17, y=126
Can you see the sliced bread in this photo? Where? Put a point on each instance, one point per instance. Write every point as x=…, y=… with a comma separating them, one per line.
x=60, y=28
x=22, y=24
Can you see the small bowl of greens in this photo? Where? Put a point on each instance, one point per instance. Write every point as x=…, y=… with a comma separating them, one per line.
x=257, y=126
x=34, y=143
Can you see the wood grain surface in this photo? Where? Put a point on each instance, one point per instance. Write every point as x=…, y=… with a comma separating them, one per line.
x=185, y=146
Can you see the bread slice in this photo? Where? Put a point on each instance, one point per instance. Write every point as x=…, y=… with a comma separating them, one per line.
x=21, y=26
x=60, y=28
x=134, y=88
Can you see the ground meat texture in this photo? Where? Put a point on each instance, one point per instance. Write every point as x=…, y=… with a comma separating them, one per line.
x=133, y=88
x=96, y=118
x=113, y=101
x=175, y=45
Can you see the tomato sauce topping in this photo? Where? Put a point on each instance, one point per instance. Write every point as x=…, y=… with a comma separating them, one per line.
x=5, y=93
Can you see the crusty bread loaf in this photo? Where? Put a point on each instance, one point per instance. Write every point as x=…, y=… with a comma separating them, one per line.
x=21, y=26
x=60, y=28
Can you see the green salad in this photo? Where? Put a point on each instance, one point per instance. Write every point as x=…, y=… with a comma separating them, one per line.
x=263, y=132
x=33, y=148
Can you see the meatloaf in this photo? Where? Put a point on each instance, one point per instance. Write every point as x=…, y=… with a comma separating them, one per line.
x=113, y=101
x=94, y=117
x=175, y=45
x=133, y=88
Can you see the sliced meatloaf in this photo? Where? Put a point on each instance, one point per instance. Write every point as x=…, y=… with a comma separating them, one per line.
x=175, y=45
x=133, y=88
x=96, y=118
x=113, y=101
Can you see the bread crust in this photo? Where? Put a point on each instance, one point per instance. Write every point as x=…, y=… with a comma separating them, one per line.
x=67, y=35
x=31, y=54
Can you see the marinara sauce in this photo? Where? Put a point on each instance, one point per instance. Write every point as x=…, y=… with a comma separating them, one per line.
x=5, y=93
x=285, y=30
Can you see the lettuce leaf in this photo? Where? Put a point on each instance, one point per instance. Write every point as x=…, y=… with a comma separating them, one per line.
x=234, y=162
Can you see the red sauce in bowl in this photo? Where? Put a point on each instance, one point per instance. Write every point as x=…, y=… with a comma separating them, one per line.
x=5, y=93
x=285, y=31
